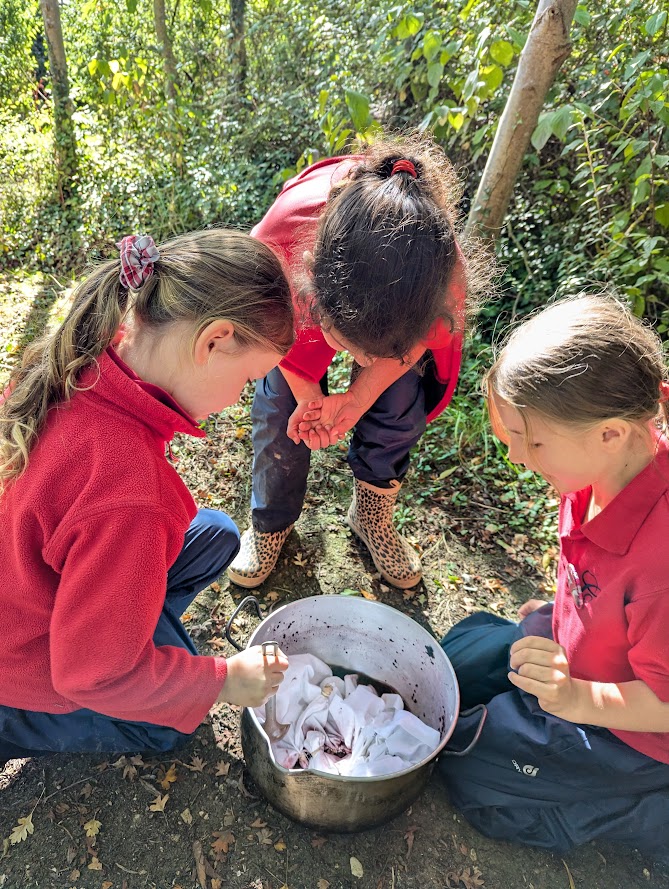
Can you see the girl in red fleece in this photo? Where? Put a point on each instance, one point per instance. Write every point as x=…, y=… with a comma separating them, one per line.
x=103, y=547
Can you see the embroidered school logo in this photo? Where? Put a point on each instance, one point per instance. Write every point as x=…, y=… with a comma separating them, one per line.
x=584, y=588
x=531, y=771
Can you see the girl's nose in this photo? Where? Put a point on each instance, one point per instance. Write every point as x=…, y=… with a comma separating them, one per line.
x=517, y=452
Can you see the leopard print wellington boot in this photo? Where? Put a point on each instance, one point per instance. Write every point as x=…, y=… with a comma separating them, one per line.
x=371, y=518
x=257, y=556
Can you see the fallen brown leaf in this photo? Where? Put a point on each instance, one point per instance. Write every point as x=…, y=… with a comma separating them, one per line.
x=200, y=869
x=322, y=884
x=223, y=841
x=409, y=837
x=264, y=837
x=197, y=764
x=95, y=864
x=170, y=777
x=258, y=823
x=159, y=803
x=317, y=842
x=222, y=769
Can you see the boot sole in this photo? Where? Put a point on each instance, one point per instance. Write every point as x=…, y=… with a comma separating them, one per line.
x=249, y=583
x=402, y=584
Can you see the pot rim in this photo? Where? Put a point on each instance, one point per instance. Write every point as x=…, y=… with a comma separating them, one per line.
x=355, y=778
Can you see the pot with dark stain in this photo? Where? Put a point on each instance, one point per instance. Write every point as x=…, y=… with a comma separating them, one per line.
x=354, y=636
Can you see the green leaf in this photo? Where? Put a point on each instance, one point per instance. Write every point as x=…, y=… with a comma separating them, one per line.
x=561, y=122
x=349, y=592
x=662, y=215
x=655, y=23
x=543, y=130
x=435, y=71
x=431, y=45
x=409, y=25
x=582, y=16
x=358, y=105
x=131, y=6
x=93, y=67
x=502, y=52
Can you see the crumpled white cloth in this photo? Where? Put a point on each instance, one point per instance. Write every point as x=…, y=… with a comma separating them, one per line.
x=326, y=713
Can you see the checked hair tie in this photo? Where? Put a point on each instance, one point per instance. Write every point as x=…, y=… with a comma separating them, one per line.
x=138, y=254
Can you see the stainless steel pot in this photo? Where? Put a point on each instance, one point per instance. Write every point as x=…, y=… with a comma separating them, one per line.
x=362, y=637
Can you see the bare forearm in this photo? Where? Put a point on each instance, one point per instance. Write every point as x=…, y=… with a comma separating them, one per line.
x=303, y=390
x=373, y=380
x=626, y=706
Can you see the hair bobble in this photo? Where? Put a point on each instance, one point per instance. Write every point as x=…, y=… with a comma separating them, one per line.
x=664, y=391
x=138, y=255
x=404, y=166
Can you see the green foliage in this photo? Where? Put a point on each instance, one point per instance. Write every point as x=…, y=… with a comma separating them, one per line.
x=18, y=65
x=591, y=205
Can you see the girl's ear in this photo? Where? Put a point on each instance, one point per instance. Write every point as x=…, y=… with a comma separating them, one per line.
x=614, y=434
x=217, y=335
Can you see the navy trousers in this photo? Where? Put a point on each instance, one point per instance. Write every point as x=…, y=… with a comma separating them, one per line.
x=378, y=453
x=211, y=543
x=534, y=778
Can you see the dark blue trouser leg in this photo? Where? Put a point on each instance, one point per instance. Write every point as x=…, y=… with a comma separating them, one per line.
x=379, y=451
x=280, y=467
x=210, y=544
x=534, y=778
x=383, y=437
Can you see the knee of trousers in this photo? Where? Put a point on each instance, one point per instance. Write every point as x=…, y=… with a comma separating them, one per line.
x=216, y=532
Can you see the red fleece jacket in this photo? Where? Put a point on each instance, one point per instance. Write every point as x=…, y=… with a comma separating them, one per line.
x=89, y=532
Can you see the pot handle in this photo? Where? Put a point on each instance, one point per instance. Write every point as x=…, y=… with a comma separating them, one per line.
x=477, y=734
x=242, y=604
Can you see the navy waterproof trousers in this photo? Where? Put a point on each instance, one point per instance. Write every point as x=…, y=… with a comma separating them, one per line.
x=534, y=778
x=211, y=543
x=378, y=453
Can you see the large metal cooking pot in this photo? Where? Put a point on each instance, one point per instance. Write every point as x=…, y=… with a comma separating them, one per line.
x=362, y=637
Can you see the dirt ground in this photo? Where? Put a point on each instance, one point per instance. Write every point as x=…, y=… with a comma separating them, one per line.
x=195, y=820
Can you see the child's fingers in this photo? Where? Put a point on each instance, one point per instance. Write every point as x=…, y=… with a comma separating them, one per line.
x=538, y=643
x=537, y=656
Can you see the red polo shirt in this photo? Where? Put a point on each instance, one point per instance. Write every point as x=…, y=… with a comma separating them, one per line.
x=289, y=228
x=620, y=633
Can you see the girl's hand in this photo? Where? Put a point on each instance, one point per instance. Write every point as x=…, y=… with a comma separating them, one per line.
x=253, y=678
x=328, y=419
x=530, y=606
x=304, y=407
x=542, y=670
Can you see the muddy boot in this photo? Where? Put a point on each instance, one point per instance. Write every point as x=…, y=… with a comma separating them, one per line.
x=371, y=517
x=257, y=556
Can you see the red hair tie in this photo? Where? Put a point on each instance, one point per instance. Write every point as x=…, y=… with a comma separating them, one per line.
x=138, y=254
x=404, y=166
x=664, y=391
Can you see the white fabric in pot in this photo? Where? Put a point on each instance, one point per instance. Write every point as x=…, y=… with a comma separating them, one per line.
x=342, y=728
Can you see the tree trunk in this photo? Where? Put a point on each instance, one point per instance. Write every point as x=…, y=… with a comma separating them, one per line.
x=166, y=49
x=546, y=49
x=66, y=151
x=238, y=44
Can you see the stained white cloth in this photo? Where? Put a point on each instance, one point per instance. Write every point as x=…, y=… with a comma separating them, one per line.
x=343, y=728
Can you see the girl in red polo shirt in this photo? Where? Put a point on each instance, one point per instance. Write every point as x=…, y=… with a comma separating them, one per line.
x=102, y=547
x=371, y=243
x=576, y=744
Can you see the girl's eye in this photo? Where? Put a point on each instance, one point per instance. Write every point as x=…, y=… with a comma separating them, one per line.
x=535, y=444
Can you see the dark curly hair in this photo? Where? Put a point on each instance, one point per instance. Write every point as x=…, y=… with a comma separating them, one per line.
x=386, y=247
